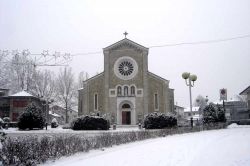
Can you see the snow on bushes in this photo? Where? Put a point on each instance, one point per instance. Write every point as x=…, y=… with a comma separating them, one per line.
x=90, y=123
x=213, y=114
x=158, y=120
x=2, y=139
x=54, y=123
x=31, y=118
x=6, y=120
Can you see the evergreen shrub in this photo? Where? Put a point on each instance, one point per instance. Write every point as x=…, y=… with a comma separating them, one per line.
x=31, y=118
x=54, y=123
x=90, y=123
x=6, y=120
x=1, y=123
x=213, y=114
x=158, y=120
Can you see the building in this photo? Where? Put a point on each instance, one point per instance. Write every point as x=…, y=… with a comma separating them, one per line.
x=235, y=109
x=4, y=103
x=126, y=91
x=246, y=92
x=59, y=113
x=196, y=113
x=179, y=111
x=13, y=105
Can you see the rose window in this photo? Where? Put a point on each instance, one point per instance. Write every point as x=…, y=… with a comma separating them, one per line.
x=126, y=68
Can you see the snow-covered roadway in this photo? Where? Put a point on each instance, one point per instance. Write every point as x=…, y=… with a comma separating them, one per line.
x=226, y=147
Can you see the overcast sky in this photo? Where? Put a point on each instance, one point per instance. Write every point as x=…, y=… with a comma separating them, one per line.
x=88, y=26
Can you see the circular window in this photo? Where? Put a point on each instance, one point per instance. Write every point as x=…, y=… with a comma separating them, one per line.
x=125, y=68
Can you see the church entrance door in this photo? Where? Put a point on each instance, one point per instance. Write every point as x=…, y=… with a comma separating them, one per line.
x=126, y=114
x=126, y=117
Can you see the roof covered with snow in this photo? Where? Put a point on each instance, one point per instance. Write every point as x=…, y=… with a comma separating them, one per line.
x=54, y=114
x=235, y=98
x=22, y=94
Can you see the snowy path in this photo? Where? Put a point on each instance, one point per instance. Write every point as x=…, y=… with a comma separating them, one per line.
x=227, y=147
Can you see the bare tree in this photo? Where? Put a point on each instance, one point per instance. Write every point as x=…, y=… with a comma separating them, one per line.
x=65, y=87
x=4, y=71
x=82, y=77
x=44, y=84
x=22, y=72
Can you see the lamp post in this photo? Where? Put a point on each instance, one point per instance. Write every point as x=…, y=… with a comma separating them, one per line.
x=190, y=79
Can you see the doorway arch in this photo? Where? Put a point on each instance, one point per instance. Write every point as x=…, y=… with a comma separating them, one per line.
x=126, y=111
x=126, y=114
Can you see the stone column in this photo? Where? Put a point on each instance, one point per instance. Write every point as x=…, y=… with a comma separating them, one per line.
x=145, y=82
x=106, y=81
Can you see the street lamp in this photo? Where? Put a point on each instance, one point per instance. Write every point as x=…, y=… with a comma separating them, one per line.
x=190, y=83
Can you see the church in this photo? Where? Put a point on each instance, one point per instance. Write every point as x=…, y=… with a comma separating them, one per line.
x=125, y=92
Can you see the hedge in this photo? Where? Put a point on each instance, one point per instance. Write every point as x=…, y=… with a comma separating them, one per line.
x=32, y=150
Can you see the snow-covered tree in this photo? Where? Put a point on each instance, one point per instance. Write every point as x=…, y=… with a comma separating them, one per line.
x=22, y=71
x=5, y=70
x=44, y=84
x=66, y=89
x=32, y=117
x=200, y=101
x=213, y=114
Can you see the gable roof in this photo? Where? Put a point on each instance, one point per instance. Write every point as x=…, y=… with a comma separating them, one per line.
x=91, y=78
x=157, y=77
x=127, y=42
x=245, y=91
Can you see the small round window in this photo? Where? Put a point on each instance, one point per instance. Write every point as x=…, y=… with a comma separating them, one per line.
x=125, y=68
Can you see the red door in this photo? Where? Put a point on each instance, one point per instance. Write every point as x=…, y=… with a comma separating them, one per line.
x=14, y=116
x=126, y=118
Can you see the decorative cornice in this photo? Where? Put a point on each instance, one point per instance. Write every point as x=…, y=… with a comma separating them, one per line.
x=126, y=43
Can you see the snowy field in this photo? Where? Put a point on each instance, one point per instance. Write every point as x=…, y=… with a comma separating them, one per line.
x=225, y=147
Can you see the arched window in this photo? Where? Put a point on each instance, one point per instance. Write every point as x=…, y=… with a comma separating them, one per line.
x=125, y=105
x=125, y=91
x=119, y=91
x=156, y=101
x=132, y=90
x=95, y=102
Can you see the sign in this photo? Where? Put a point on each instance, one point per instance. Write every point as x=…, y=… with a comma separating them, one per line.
x=223, y=94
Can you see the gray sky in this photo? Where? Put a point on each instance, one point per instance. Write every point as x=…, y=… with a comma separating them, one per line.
x=88, y=26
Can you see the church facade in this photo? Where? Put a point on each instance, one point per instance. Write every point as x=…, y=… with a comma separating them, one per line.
x=126, y=91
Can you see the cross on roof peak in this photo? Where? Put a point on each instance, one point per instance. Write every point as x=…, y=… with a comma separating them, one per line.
x=125, y=34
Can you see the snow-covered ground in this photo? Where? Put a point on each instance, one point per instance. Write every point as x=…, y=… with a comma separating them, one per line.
x=225, y=147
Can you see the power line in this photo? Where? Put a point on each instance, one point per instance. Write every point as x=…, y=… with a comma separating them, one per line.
x=68, y=57
x=180, y=44
x=87, y=53
x=202, y=42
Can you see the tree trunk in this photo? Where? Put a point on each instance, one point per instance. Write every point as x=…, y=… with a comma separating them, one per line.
x=66, y=113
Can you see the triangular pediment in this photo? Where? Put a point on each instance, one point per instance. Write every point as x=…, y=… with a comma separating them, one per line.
x=126, y=43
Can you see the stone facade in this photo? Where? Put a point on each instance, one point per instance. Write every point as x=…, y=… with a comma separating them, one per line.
x=126, y=91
